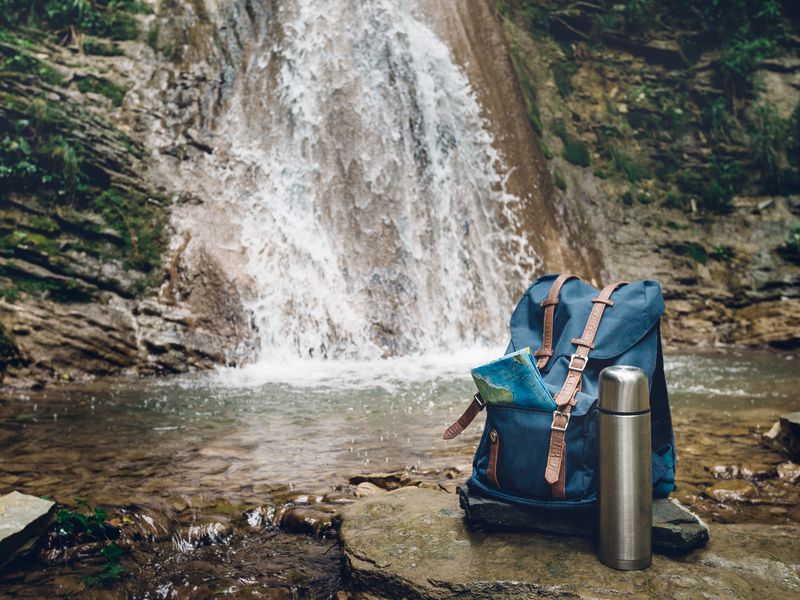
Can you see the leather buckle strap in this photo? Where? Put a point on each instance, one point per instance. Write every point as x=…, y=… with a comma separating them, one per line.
x=581, y=367
x=549, y=304
x=557, y=414
x=476, y=406
x=555, y=472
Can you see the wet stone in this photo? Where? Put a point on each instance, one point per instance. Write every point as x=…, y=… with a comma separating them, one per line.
x=785, y=435
x=386, y=481
x=789, y=472
x=365, y=488
x=433, y=553
x=733, y=490
x=310, y=521
x=23, y=519
x=675, y=528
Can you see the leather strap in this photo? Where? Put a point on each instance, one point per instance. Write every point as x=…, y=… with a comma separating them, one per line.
x=494, y=452
x=555, y=473
x=549, y=304
x=476, y=406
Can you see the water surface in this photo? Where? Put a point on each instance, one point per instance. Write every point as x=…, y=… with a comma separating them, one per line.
x=175, y=452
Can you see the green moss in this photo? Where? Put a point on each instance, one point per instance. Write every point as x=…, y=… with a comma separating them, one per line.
x=9, y=351
x=529, y=91
x=100, y=48
x=110, y=90
x=140, y=224
x=559, y=180
x=575, y=151
x=694, y=251
x=676, y=201
x=22, y=61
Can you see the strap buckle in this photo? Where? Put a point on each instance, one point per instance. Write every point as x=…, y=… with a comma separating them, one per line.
x=572, y=358
x=477, y=398
x=557, y=414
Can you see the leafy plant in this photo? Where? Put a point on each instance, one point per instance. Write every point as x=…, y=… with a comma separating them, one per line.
x=111, y=570
x=71, y=523
x=562, y=75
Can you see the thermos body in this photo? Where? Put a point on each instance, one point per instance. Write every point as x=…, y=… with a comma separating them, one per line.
x=625, y=486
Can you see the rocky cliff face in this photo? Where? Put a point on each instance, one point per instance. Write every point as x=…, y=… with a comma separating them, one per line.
x=90, y=281
x=676, y=129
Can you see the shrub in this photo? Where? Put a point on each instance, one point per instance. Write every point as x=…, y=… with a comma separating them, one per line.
x=562, y=75
x=769, y=140
x=738, y=63
x=559, y=180
x=625, y=164
x=575, y=151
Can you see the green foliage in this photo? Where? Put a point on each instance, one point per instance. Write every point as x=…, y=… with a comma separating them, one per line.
x=720, y=121
x=627, y=198
x=694, y=251
x=676, y=201
x=34, y=155
x=575, y=151
x=638, y=15
x=102, y=18
x=562, y=75
x=559, y=180
x=8, y=345
x=110, y=90
x=625, y=164
x=739, y=61
x=727, y=177
x=22, y=61
x=790, y=249
x=140, y=224
x=111, y=571
x=769, y=140
x=71, y=523
x=722, y=253
x=99, y=48
x=91, y=525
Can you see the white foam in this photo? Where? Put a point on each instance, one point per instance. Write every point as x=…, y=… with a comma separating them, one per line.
x=369, y=193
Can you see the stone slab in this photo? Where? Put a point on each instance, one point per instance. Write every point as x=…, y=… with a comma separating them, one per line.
x=415, y=543
x=675, y=528
x=22, y=519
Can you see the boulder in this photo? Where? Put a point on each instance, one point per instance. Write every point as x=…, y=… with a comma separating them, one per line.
x=23, y=519
x=415, y=543
x=675, y=528
x=784, y=435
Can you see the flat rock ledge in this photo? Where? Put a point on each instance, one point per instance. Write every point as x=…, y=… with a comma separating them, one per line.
x=676, y=529
x=414, y=543
x=22, y=519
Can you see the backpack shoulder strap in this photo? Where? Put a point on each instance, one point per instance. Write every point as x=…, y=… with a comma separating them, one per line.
x=549, y=304
x=554, y=473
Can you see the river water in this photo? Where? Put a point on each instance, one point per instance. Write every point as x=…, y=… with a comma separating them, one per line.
x=181, y=461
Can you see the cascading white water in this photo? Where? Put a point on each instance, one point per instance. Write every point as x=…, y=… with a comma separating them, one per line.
x=370, y=197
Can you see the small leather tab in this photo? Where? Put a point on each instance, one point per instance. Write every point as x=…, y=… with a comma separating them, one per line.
x=494, y=452
x=476, y=406
x=580, y=342
x=605, y=301
x=548, y=302
x=543, y=352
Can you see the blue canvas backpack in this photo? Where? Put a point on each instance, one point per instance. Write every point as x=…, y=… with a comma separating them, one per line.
x=547, y=458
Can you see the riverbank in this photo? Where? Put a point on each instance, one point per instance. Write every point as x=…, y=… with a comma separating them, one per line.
x=218, y=485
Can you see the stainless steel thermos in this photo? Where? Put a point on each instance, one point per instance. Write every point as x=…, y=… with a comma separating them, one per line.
x=625, y=486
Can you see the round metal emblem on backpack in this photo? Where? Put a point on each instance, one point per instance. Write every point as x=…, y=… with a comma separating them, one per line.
x=493, y=436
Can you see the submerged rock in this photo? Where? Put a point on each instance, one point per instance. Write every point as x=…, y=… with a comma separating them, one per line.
x=415, y=543
x=321, y=523
x=22, y=519
x=675, y=528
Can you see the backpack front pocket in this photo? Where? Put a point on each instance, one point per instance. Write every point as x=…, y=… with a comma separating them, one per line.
x=512, y=457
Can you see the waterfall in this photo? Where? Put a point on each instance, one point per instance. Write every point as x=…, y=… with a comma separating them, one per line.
x=369, y=195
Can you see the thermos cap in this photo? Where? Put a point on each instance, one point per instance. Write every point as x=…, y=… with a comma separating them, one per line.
x=624, y=389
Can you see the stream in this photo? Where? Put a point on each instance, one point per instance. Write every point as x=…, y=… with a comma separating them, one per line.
x=197, y=470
